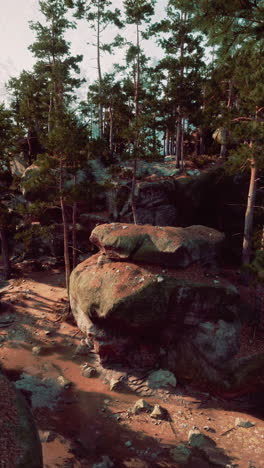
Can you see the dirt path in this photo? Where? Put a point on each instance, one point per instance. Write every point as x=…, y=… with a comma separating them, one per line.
x=80, y=419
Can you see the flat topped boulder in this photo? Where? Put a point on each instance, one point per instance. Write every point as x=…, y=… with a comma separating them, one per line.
x=168, y=246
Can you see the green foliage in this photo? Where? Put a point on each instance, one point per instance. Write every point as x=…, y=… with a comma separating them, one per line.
x=30, y=237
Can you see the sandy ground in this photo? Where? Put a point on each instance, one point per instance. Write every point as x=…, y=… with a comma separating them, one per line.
x=80, y=419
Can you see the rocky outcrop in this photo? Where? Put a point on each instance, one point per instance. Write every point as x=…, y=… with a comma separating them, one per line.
x=148, y=316
x=169, y=246
x=20, y=446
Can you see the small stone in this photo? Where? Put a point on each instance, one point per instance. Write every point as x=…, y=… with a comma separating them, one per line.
x=114, y=384
x=240, y=422
x=63, y=382
x=208, y=429
x=37, y=350
x=159, y=412
x=46, y=436
x=124, y=227
x=141, y=406
x=160, y=279
x=141, y=280
x=196, y=438
x=82, y=349
x=128, y=443
x=88, y=372
x=48, y=332
x=181, y=454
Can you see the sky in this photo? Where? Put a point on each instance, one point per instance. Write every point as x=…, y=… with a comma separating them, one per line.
x=16, y=36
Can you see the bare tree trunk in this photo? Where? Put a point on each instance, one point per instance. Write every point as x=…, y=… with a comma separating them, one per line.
x=74, y=236
x=248, y=225
x=111, y=127
x=178, y=140
x=137, y=136
x=167, y=143
x=65, y=231
x=182, y=146
x=100, y=107
x=5, y=253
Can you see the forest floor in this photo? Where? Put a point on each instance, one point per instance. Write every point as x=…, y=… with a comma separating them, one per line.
x=81, y=421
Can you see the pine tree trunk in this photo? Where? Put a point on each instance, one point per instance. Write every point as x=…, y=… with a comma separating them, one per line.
x=178, y=140
x=4, y=252
x=136, y=142
x=111, y=128
x=167, y=143
x=100, y=107
x=65, y=232
x=74, y=236
x=248, y=225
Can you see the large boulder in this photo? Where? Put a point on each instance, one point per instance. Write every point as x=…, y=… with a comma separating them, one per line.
x=135, y=298
x=143, y=315
x=137, y=315
x=167, y=246
x=20, y=446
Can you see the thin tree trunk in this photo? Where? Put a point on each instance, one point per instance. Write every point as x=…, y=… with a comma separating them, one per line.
x=167, y=144
x=136, y=143
x=5, y=253
x=248, y=225
x=182, y=146
x=100, y=107
x=65, y=231
x=74, y=236
x=178, y=140
x=111, y=128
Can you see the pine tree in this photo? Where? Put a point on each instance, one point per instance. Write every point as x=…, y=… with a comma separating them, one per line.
x=138, y=13
x=184, y=71
x=237, y=32
x=59, y=69
x=99, y=15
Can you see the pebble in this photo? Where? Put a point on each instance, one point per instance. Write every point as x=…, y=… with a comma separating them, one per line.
x=37, y=350
x=114, y=384
x=159, y=412
x=240, y=422
x=142, y=406
x=65, y=383
x=88, y=371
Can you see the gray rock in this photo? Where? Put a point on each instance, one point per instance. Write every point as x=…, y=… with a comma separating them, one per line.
x=63, y=382
x=141, y=406
x=162, y=378
x=196, y=438
x=174, y=246
x=82, y=349
x=181, y=454
x=240, y=422
x=159, y=412
x=115, y=384
x=37, y=350
x=218, y=341
x=88, y=371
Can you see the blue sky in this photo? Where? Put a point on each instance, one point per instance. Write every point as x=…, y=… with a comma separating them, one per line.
x=16, y=36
